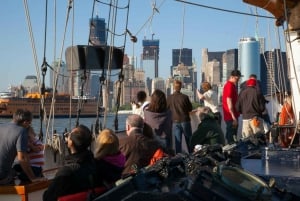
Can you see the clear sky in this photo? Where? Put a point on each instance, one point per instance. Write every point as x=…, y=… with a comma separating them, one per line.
x=177, y=25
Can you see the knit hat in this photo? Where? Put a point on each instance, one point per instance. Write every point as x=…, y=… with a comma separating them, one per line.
x=251, y=82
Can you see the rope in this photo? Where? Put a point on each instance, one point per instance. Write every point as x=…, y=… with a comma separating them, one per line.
x=182, y=37
x=224, y=10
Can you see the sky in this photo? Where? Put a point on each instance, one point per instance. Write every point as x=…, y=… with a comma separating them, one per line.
x=177, y=25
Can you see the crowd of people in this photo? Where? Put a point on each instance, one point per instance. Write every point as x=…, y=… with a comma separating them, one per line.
x=157, y=124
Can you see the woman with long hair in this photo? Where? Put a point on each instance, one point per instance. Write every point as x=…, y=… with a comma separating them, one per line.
x=159, y=117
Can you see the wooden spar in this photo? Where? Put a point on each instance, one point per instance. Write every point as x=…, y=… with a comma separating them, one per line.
x=277, y=8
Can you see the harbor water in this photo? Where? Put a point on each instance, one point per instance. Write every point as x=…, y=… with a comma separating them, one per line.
x=60, y=124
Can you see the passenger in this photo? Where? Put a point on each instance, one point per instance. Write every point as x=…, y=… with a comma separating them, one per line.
x=229, y=99
x=258, y=86
x=79, y=173
x=139, y=105
x=180, y=106
x=14, y=145
x=210, y=98
x=251, y=104
x=137, y=148
x=208, y=131
x=159, y=118
x=109, y=159
x=36, y=157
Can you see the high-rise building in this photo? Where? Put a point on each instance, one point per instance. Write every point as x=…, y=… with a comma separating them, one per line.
x=274, y=72
x=230, y=63
x=207, y=57
x=59, y=75
x=97, y=31
x=249, y=57
x=158, y=83
x=149, y=61
x=30, y=84
x=183, y=55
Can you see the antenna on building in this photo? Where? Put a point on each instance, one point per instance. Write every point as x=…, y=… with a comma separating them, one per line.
x=182, y=36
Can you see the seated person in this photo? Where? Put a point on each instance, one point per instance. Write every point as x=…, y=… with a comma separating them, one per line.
x=36, y=157
x=109, y=159
x=208, y=131
x=137, y=147
x=79, y=172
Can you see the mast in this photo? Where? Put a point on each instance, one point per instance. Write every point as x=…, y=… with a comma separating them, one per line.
x=289, y=11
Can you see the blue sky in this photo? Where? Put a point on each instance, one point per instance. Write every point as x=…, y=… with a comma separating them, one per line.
x=203, y=28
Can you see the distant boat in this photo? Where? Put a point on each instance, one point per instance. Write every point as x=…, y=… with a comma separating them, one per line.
x=65, y=105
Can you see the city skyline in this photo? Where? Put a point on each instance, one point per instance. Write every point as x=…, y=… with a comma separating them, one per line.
x=177, y=25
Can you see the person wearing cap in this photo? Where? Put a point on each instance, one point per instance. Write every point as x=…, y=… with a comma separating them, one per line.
x=229, y=99
x=265, y=116
x=251, y=104
x=79, y=172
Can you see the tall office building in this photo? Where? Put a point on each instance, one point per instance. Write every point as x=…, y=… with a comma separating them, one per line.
x=158, y=83
x=249, y=57
x=274, y=72
x=207, y=57
x=59, y=75
x=184, y=56
x=30, y=84
x=230, y=63
x=149, y=61
x=97, y=31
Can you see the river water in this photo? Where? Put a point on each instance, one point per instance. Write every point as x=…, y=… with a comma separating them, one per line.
x=60, y=124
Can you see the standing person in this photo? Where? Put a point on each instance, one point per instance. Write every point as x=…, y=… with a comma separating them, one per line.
x=229, y=99
x=159, y=117
x=137, y=148
x=109, y=159
x=14, y=144
x=36, y=156
x=180, y=106
x=265, y=115
x=251, y=104
x=210, y=98
x=257, y=86
x=79, y=173
x=139, y=105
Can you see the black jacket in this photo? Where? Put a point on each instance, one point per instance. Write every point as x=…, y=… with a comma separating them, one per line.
x=250, y=103
x=77, y=175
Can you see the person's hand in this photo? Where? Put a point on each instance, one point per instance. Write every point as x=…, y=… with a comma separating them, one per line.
x=200, y=96
x=234, y=123
x=39, y=179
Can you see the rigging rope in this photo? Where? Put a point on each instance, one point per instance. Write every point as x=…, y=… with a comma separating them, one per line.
x=224, y=10
x=182, y=36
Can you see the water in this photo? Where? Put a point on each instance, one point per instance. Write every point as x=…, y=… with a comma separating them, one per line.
x=60, y=124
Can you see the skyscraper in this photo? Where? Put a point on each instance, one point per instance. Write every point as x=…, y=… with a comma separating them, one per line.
x=183, y=55
x=150, y=59
x=274, y=72
x=59, y=75
x=97, y=31
x=206, y=67
x=249, y=57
